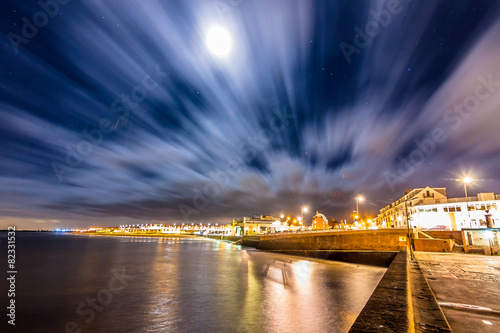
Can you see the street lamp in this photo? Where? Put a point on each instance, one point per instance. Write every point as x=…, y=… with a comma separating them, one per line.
x=358, y=199
x=466, y=181
x=304, y=210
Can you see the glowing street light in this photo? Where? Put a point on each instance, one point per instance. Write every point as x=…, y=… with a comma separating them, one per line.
x=304, y=210
x=466, y=181
x=358, y=199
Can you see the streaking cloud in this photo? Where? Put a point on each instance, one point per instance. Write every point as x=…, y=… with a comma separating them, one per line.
x=207, y=111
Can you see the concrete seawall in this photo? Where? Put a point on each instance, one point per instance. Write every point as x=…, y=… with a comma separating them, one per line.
x=402, y=302
x=389, y=307
x=370, y=240
x=225, y=238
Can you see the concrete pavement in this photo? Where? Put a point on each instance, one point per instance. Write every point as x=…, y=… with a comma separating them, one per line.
x=467, y=287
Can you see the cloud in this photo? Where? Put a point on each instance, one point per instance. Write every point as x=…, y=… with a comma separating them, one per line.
x=283, y=122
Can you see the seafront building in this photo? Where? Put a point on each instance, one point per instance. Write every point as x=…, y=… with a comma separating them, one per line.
x=259, y=224
x=430, y=208
x=320, y=222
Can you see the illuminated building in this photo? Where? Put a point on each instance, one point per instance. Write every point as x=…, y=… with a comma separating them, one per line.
x=320, y=222
x=259, y=224
x=430, y=208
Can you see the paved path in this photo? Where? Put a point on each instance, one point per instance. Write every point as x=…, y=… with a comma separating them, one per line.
x=467, y=287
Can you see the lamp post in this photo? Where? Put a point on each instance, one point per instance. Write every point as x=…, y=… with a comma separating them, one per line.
x=358, y=199
x=410, y=245
x=304, y=210
x=406, y=213
x=466, y=181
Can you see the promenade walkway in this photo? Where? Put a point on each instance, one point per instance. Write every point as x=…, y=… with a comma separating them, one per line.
x=467, y=287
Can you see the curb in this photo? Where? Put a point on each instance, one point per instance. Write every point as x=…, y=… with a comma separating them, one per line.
x=402, y=302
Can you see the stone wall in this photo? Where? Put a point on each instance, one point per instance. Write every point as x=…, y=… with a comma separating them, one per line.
x=446, y=234
x=372, y=240
x=389, y=308
x=434, y=245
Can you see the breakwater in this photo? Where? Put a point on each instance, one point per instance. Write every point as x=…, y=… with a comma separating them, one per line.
x=365, y=240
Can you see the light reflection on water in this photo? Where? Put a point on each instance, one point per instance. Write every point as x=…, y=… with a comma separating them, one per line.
x=183, y=285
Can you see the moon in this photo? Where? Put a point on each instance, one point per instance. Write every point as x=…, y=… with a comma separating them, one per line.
x=218, y=41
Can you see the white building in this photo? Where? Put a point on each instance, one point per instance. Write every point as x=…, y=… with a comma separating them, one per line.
x=260, y=224
x=430, y=208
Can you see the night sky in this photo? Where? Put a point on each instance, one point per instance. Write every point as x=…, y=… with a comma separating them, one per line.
x=117, y=112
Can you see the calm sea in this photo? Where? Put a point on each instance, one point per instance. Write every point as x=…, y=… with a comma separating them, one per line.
x=73, y=283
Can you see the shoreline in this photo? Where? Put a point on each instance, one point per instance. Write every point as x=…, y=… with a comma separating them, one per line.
x=129, y=234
